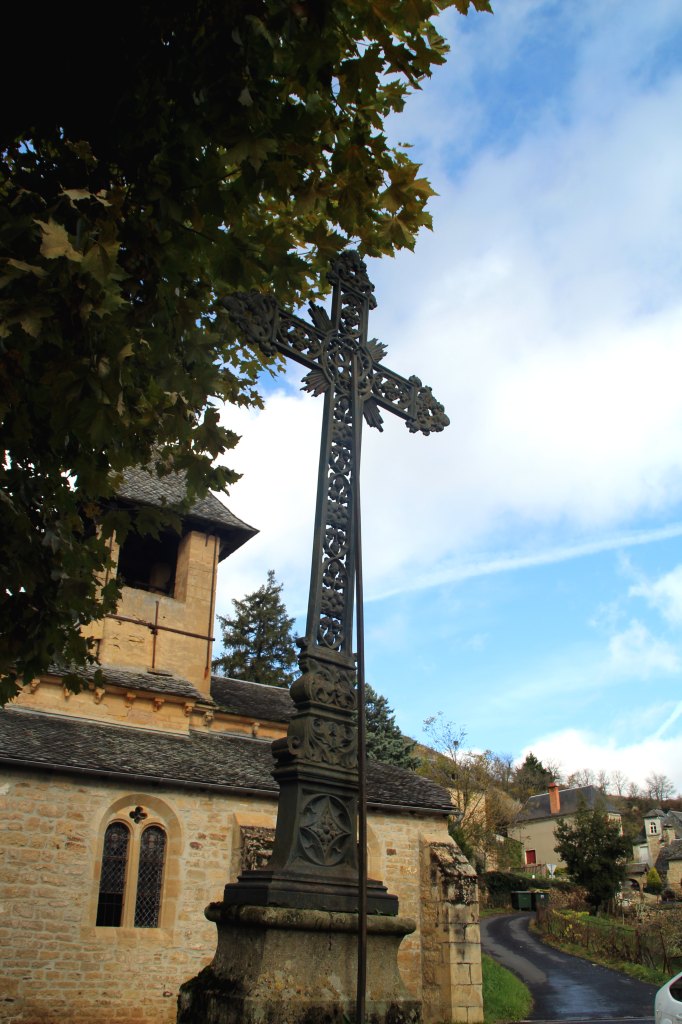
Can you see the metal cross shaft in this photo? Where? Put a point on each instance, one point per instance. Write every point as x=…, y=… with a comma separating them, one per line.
x=314, y=861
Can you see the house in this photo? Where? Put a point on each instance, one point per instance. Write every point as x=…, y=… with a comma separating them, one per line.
x=669, y=866
x=659, y=845
x=660, y=829
x=126, y=808
x=535, y=823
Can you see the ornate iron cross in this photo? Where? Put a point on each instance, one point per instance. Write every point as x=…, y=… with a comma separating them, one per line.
x=314, y=861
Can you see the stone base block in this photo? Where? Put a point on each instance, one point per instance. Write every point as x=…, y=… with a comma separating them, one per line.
x=283, y=966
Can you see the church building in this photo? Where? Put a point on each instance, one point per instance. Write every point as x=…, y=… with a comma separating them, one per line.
x=126, y=808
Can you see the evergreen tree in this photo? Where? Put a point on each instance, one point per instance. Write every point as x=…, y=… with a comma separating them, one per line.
x=531, y=777
x=653, y=882
x=595, y=853
x=385, y=741
x=258, y=644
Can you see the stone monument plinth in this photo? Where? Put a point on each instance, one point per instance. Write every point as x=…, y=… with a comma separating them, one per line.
x=277, y=965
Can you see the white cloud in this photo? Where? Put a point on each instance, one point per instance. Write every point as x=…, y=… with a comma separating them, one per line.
x=544, y=310
x=636, y=653
x=664, y=594
x=574, y=749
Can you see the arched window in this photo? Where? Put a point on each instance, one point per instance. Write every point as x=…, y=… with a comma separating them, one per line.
x=150, y=877
x=131, y=879
x=113, y=878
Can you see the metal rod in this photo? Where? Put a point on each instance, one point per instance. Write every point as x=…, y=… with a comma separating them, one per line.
x=211, y=611
x=155, y=633
x=153, y=626
x=362, y=737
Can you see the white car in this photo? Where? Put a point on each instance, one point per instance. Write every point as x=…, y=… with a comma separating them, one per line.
x=668, y=1002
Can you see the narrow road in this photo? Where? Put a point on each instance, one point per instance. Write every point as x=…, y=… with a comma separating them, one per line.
x=564, y=987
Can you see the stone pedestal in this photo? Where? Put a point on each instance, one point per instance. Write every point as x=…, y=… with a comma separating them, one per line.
x=277, y=965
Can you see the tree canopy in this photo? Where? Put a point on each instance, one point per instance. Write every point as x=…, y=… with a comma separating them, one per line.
x=258, y=641
x=532, y=777
x=207, y=148
x=479, y=783
x=595, y=853
x=385, y=741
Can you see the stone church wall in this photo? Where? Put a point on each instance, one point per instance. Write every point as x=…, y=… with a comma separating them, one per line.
x=61, y=969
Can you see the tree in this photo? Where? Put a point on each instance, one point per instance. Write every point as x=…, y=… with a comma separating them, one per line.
x=583, y=777
x=531, y=777
x=485, y=809
x=385, y=741
x=240, y=146
x=659, y=787
x=258, y=642
x=595, y=853
x=653, y=882
x=620, y=781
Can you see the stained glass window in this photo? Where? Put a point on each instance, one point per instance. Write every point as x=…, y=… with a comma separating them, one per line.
x=150, y=877
x=113, y=877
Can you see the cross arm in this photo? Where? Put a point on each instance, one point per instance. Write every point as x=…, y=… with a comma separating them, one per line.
x=407, y=398
x=263, y=322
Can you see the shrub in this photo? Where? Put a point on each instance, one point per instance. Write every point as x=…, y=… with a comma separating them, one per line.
x=653, y=882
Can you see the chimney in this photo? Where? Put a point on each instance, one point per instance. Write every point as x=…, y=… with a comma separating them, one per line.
x=554, y=800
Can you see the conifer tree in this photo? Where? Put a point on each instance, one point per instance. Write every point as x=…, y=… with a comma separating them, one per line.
x=258, y=643
x=531, y=777
x=385, y=741
x=595, y=853
x=653, y=882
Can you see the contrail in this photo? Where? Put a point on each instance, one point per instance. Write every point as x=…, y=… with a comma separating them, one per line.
x=668, y=722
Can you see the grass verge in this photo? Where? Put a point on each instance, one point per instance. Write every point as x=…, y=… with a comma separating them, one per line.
x=505, y=998
x=651, y=975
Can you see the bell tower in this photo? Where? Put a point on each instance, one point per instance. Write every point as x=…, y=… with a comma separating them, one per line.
x=164, y=620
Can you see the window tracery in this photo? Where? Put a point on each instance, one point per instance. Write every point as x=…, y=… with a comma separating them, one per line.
x=132, y=873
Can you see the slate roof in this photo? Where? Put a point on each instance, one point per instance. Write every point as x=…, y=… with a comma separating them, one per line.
x=537, y=807
x=141, y=487
x=155, y=682
x=199, y=760
x=673, y=851
x=254, y=700
x=673, y=819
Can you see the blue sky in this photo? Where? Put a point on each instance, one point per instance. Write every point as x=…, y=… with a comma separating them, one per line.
x=523, y=569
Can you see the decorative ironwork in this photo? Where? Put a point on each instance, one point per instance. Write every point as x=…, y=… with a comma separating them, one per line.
x=323, y=740
x=113, y=875
x=324, y=684
x=317, y=762
x=326, y=830
x=150, y=877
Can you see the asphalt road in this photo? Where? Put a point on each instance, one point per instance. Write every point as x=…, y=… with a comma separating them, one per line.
x=564, y=987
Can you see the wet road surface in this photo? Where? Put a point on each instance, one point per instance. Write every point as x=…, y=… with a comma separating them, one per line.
x=564, y=988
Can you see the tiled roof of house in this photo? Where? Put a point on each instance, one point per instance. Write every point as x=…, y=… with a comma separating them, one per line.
x=201, y=759
x=570, y=801
x=673, y=851
x=253, y=700
x=141, y=487
x=673, y=819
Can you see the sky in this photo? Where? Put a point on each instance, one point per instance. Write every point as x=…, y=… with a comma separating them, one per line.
x=522, y=569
